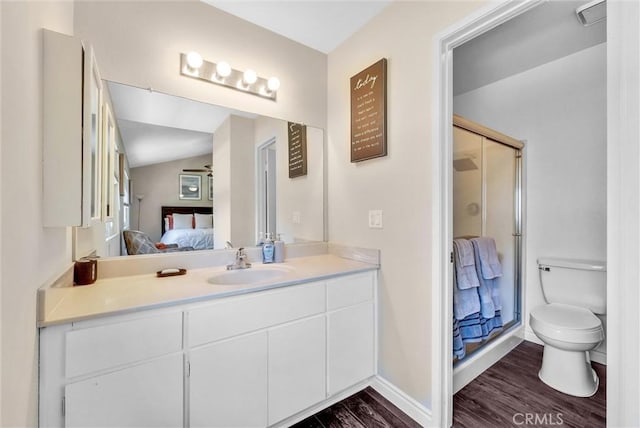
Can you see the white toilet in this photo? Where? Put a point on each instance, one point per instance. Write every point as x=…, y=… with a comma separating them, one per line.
x=575, y=290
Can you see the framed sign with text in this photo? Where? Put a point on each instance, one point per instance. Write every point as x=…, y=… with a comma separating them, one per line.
x=297, y=149
x=369, y=112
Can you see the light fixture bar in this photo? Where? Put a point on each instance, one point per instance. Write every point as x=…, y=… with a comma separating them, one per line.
x=207, y=71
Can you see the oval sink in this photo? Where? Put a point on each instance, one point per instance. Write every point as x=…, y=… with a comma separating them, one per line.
x=246, y=276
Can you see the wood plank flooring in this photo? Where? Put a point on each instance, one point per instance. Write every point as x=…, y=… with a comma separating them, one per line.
x=511, y=389
x=365, y=409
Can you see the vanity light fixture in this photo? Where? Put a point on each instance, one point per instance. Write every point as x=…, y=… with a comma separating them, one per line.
x=249, y=77
x=194, y=66
x=273, y=84
x=194, y=60
x=223, y=70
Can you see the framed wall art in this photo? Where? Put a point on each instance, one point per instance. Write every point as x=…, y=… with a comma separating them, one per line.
x=369, y=112
x=190, y=187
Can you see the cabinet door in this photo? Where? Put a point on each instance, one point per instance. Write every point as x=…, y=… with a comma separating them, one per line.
x=297, y=374
x=147, y=395
x=228, y=383
x=350, y=353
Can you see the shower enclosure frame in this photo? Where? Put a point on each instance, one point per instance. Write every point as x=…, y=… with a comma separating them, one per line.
x=464, y=370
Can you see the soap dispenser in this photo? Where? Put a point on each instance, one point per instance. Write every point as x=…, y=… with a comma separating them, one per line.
x=278, y=249
x=267, y=249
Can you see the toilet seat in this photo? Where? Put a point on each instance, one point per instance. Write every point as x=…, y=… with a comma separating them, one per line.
x=566, y=323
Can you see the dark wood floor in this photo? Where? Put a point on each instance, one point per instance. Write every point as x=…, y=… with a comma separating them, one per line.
x=366, y=409
x=511, y=389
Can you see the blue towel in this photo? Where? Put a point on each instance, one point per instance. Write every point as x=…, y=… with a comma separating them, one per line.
x=465, y=265
x=485, y=290
x=465, y=302
x=477, y=309
x=458, y=347
x=471, y=329
x=491, y=325
x=490, y=266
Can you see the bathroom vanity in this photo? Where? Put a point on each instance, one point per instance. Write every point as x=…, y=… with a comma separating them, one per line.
x=189, y=351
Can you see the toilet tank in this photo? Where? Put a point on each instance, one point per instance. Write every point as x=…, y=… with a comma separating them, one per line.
x=574, y=282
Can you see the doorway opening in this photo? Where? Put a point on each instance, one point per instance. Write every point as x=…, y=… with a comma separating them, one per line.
x=450, y=96
x=266, y=189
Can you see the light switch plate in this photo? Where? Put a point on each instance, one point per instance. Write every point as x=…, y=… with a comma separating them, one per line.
x=296, y=217
x=375, y=219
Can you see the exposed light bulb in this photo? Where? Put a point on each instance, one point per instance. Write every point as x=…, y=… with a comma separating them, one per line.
x=273, y=84
x=223, y=69
x=249, y=77
x=194, y=60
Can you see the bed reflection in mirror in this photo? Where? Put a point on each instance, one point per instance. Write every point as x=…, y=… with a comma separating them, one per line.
x=236, y=162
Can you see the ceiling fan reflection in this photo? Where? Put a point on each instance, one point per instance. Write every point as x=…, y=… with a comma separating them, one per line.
x=207, y=169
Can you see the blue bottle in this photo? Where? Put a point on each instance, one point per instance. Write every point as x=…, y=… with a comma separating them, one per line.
x=267, y=249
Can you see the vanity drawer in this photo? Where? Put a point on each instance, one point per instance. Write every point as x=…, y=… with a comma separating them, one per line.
x=234, y=316
x=350, y=290
x=101, y=347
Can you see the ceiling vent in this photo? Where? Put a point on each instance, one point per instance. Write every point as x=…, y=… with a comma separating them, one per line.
x=592, y=12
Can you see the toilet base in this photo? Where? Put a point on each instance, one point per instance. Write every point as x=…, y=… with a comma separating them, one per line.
x=569, y=372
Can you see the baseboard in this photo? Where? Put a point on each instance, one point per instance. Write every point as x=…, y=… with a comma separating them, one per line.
x=398, y=398
x=402, y=401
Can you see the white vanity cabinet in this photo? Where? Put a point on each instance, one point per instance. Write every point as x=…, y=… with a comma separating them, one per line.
x=276, y=335
x=124, y=371
x=144, y=395
x=350, y=331
x=250, y=360
x=228, y=383
x=297, y=361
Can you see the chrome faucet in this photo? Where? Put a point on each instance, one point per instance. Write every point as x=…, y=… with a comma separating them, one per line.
x=241, y=261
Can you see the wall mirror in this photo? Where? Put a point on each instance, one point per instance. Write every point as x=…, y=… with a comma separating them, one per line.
x=237, y=160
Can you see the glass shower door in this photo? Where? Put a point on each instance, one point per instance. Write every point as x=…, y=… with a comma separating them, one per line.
x=467, y=183
x=486, y=198
x=500, y=217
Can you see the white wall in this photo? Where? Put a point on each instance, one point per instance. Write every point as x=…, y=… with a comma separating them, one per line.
x=234, y=183
x=159, y=183
x=242, y=197
x=399, y=184
x=222, y=189
x=30, y=254
x=139, y=43
x=559, y=108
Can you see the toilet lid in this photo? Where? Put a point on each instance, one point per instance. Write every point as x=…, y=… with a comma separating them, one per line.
x=567, y=323
x=566, y=317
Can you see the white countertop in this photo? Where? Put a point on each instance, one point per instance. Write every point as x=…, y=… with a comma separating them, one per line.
x=119, y=295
